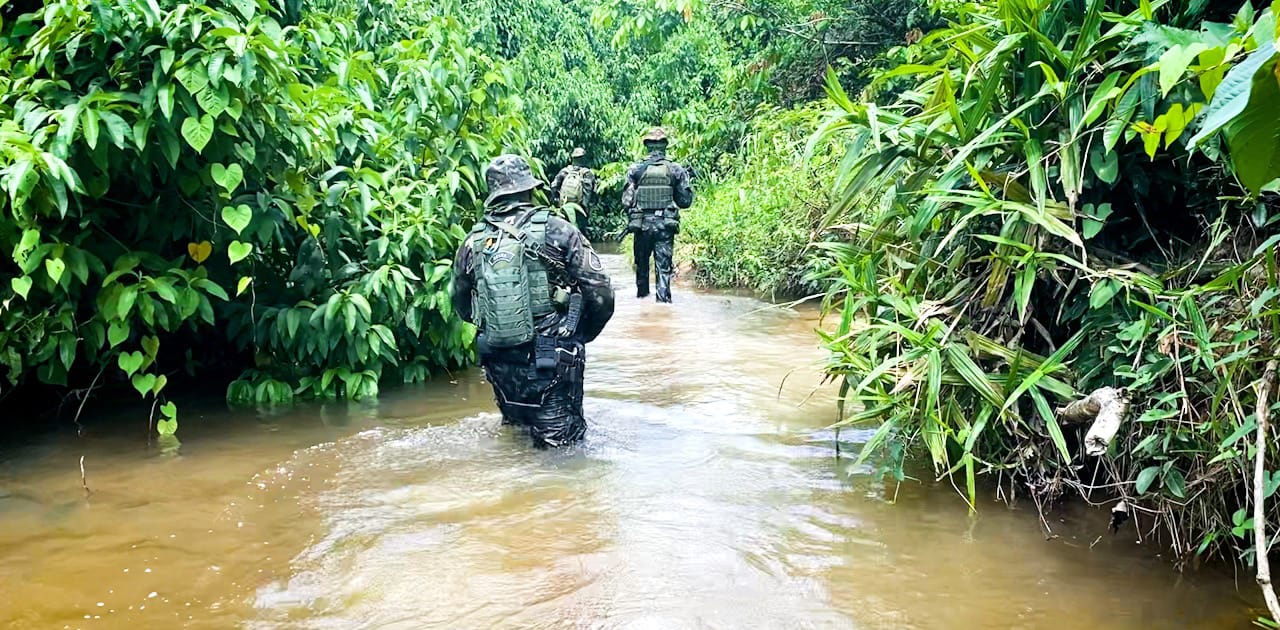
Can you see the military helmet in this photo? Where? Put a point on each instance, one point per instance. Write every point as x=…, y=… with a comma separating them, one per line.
x=657, y=135
x=578, y=152
x=509, y=174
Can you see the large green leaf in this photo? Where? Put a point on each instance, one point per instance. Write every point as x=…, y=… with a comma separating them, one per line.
x=1145, y=479
x=1233, y=93
x=1254, y=136
x=1119, y=121
x=1174, y=62
x=193, y=78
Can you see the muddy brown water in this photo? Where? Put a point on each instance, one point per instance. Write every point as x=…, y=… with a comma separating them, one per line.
x=706, y=496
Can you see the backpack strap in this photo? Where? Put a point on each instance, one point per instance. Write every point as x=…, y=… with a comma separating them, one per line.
x=532, y=246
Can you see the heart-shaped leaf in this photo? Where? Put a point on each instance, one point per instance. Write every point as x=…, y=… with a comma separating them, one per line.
x=150, y=345
x=242, y=285
x=200, y=252
x=117, y=332
x=161, y=381
x=144, y=383
x=167, y=427
x=238, y=251
x=130, y=362
x=238, y=217
x=21, y=286
x=228, y=177
x=55, y=267
x=246, y=152
x=197, y=133
x=213, y=100
x=194, y=78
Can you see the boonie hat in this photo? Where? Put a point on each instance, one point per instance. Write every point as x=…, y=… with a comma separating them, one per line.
x=509, y=174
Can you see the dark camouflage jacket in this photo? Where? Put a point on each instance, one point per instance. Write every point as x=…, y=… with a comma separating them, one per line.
x=582, y=271
x=681, y=183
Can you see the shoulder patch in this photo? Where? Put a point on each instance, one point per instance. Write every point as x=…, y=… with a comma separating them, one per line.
x=594, y=261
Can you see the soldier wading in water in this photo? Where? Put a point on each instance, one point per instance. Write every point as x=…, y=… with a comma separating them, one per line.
x=538, y=293
x=574, y=189
x=655, y=191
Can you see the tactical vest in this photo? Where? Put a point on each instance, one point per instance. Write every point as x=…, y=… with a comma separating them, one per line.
x=572, y=189
x=512, y=289
x=655, y=191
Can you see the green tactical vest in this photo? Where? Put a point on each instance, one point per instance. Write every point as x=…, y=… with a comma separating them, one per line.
x=655, y=191
x=574, y=185
x=512, y=289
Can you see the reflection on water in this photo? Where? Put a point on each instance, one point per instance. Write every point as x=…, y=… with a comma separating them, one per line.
x=706, y=496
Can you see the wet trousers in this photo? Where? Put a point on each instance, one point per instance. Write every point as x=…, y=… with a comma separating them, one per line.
x=547, y=403
x=659, y=245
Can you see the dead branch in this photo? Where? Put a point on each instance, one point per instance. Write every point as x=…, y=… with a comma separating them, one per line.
x=1106, y=407
x=1259, y=499
x=84, y=482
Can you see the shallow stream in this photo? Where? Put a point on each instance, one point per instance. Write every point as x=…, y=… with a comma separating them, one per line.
x=707, y=495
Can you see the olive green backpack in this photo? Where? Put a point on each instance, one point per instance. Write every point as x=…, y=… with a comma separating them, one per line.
x=512, y=289
x=572, y=189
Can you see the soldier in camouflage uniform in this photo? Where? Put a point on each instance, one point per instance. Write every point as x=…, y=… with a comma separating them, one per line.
x=574, y=189
x=655, y=191
x=538, y=293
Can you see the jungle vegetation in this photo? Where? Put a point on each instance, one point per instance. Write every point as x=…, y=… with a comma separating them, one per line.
x=1004, y=207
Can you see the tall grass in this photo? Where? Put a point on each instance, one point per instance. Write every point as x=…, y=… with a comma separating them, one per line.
x=1015, y=224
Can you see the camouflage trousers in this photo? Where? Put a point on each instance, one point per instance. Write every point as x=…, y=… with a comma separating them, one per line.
x=546, y=403
x=659, y=245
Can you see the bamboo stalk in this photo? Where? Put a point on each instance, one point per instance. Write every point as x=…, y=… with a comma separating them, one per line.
x=1259, y=500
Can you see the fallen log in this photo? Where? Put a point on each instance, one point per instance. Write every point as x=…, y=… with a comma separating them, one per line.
x=1106, y=408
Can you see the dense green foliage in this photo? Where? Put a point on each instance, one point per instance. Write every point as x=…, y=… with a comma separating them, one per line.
x=1006, y=204
x=1025, y=221
x=199, y=184
x=753, y=224
x=759, y=203
x=1030, y=200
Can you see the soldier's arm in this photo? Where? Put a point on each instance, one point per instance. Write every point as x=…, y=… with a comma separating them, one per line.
x=629, y=188
x=682, y=186
x=589, y=186
x=554, y=191
x=463, y=283
x=583, y=266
